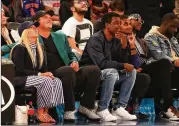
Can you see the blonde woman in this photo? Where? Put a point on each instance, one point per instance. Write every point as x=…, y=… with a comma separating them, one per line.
x=30, y=63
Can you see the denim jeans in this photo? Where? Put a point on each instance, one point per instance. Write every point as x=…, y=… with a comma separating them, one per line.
x=126, y=83
x=111, y=78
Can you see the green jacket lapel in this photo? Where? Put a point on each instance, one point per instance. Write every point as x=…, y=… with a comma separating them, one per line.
x=59, y=42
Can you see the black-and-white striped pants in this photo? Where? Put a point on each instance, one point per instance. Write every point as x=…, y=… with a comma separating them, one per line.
x=49, y=91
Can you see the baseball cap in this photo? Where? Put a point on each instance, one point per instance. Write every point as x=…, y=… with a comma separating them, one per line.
x=41, y=13
x=26, y=25
x=135, y=16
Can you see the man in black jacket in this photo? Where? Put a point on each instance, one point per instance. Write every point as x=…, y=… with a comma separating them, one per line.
x=98, y=52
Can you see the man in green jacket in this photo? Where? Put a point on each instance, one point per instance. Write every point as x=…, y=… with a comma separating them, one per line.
x=62, y=62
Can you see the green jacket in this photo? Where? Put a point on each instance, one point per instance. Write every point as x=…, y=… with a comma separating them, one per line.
x=62, y=45
x=5, y=49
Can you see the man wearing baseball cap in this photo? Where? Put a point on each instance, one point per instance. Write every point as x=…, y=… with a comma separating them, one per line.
x=63, y=63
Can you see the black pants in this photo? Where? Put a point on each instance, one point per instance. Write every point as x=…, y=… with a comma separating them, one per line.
x=160, y=72
x=86, y=81
x=141, y=85
x=175, y=78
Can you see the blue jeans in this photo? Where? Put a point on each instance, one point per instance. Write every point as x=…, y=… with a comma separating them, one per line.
x=111, y=78
x=126, y=83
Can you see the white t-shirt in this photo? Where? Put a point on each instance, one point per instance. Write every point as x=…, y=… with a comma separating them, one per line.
x=80, y=31
x=55, y=4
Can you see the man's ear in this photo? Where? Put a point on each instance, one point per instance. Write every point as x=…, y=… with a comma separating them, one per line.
x=72, y=9
x=106, y=25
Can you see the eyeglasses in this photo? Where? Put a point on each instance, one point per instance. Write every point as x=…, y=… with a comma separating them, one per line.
x=139, y=19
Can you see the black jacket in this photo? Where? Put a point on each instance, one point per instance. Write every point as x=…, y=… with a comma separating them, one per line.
x=23, y=64
x=98, y=51
x=120, y=54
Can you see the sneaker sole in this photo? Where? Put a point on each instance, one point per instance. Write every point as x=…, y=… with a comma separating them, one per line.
x=108, y=120
x=69, y=120
x=121, y=118
x=164, y=116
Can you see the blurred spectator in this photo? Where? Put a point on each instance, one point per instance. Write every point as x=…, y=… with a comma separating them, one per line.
x=176, y=10
x=7, y=5
x=65, y=11
x=6, y=37
x=150, y=10
x=77, y=28
x=116, y=6
x=53, y=5
x=24, y=10
x=98, y=9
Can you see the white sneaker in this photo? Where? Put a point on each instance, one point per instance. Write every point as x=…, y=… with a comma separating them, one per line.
x=171, y=114
x=89, y=113
x=121, y=112
x=69, y=115
x=106, y=116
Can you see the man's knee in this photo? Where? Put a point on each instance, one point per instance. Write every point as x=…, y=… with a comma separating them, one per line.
x=165, y=63
x=110, y=73
x=64, y=71
x=143, y=80
x=134, y=73
x=88, y=70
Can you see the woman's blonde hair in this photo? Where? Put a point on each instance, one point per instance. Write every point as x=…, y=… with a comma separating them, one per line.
x=26, y=42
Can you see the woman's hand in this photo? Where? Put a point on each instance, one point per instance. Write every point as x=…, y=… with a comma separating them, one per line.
x=47, y=74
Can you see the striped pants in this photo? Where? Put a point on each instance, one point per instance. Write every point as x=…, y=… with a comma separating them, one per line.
x=49, y=92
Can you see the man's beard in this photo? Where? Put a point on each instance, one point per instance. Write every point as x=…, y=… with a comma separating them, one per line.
x=80, y=12
x=168, y=34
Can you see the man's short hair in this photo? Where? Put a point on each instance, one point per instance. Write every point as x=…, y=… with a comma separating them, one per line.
x=71, y=2
x=107, y=18
x=118, y=5
x=168, y=18
x=125, y=16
